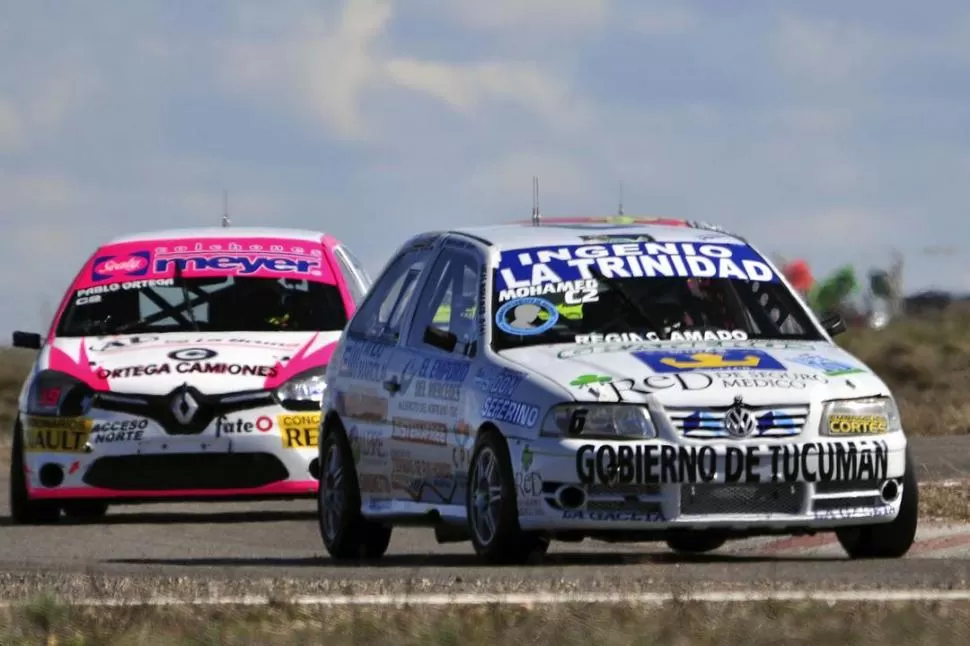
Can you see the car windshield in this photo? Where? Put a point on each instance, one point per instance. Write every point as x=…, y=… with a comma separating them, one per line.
x=207, y=304
x=641, y=290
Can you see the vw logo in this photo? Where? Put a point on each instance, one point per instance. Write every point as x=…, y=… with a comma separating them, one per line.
x=192, y=354
x=739, y=422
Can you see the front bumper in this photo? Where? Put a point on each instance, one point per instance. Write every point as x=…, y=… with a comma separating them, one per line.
x=597, y=486
x=261, y=453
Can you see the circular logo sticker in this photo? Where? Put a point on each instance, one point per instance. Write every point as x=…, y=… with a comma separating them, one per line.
x=263, y=424
x=521, y=316
x=192, y=354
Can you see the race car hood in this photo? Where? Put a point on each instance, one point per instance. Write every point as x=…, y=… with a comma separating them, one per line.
x=703, y=373
x=211, y=362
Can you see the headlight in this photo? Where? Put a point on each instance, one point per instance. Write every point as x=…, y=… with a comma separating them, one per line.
x=54, y=393
x=613, y=421
x=304, y=391
x=871, y=416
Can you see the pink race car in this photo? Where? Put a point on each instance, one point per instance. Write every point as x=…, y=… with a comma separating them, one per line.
x=183, y=364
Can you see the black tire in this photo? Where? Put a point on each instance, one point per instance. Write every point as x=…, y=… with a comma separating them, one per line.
x=695, y=542
x=23, y=510
x=355, y=538
x=85, y=510
x=887, y=540
x=506, y=544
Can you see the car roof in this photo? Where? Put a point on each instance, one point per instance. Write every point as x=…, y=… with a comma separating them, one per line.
x=564, y=231
x=190, y=233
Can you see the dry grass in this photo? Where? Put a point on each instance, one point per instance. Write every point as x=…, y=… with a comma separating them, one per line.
x=944, y=501
x=925, y=361
x=676, y=624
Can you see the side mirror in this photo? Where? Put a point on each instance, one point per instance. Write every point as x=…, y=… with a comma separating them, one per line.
x=834, y=324
x=440, y=338
x=29, y=340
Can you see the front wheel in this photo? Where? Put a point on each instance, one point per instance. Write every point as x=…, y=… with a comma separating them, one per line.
x=887, y=540
x=346, y=534
x=23, y=510
x=491, y=507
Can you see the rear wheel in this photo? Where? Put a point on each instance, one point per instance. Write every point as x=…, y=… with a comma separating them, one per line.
x=493, y=514
x=23, y=510
x=346, y=534
x=887, y=540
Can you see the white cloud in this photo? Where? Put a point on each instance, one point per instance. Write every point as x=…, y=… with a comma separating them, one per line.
x=665, y=20
x=534, y=15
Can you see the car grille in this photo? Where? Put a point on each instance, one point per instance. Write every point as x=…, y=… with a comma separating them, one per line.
x=174, y=472
x=708, y=423
x=714, y=499
x=160, y=407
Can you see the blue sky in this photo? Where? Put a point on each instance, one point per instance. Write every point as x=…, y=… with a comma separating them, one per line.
x=836, y=131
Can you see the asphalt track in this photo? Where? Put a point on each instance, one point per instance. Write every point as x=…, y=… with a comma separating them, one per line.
x=275, y=548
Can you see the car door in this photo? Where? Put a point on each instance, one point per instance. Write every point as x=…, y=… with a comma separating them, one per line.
x=431, y=443
x=370, y=365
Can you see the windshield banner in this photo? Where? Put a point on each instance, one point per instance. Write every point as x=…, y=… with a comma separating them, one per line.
x=539, y=267
x=134, y=262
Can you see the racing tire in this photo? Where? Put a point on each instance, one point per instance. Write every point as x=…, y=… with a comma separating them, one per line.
x=887, y=540
x=695, y=542
x=490, y=469
x=23, y=510
x=346, y=534
x=85, y=510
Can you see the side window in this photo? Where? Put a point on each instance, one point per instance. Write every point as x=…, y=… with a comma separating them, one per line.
x=449, y=301
x=381, y=315
x=350, y=276
x=358, y=267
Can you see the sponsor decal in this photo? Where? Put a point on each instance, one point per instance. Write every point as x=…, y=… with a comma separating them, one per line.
x=482, y=301
x=55, y=434
x=510, y=411
x=537, y=266
x=590, y=380
x=299, y=431
x=264, y=424
x=521, y=316
x=828, y=366
x=731, y=359
x=858, y=424
x=753, y=379
x=369, y=444
x=665, y=463
x=234, y=427
x=528, y=457
x=419, y=431
x=129, y=342
x=529, y=485
x=186, y=368
x=374, y=483
x=136, y=263
x=240, y=258
x=362, y=406
x=609, y=348
x=501, y=384
x=112, y=437
x=124, y=425
x=364, y=360
x=98, y=290
x=574, y=292
x=192, y=354
x=674, y=335
x=855, y=512
x=603, y=516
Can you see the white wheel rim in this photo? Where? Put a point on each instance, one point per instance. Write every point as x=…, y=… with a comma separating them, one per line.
x=331, y=492
x=486, y=498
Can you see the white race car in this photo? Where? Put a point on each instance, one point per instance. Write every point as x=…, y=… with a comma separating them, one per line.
x=651, y=380
x=183, y=364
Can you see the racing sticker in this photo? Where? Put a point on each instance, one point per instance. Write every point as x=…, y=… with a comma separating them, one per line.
x=192, y=354
x=666, y=463
x=537, y=267
x=300, y=430
x=521, y=316
x=858, y=424
x=727, y=359
x=830, y=367
x=55, y=434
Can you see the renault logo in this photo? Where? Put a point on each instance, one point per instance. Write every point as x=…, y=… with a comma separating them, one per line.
x=184, y=407
x=738, y=422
